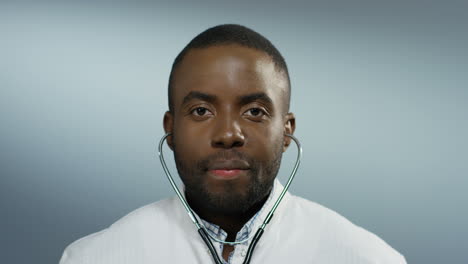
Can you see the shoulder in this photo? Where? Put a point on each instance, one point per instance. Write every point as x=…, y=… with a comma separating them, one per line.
x=338, y=236
x=126, y=234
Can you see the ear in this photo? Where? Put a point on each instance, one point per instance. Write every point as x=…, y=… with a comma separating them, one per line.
x=289, y=128
x=168, y=123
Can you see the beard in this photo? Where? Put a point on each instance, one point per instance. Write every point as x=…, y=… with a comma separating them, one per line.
x=230, y=201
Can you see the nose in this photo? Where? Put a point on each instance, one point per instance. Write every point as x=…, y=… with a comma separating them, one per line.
x=227, y=134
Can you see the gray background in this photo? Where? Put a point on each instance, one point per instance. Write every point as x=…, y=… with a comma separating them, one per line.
x=379, y=91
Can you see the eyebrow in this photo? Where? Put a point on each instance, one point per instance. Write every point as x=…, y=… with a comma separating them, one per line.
x=198, y=95
x=245, y=99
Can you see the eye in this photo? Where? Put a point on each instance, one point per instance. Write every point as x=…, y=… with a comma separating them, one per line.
x=200, y=111
x=255, y=112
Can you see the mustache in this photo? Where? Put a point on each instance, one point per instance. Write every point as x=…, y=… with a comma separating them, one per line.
x=226, y=155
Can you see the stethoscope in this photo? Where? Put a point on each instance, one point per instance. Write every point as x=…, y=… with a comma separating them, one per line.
x=202, y=229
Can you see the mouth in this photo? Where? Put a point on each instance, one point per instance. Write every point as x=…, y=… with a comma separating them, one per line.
x=228, y=169
x=227, y=174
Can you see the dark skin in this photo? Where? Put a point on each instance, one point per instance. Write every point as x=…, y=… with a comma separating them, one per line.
x=229, y=110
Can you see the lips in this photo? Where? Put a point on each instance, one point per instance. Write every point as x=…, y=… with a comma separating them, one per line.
x=228, y=165
x=227, y=169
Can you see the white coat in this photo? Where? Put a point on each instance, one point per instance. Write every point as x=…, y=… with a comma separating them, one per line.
x=301, y=231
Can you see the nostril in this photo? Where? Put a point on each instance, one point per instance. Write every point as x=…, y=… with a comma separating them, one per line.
x=228, y=143
x=228, y=140
x=227, y=134
x=238, y=144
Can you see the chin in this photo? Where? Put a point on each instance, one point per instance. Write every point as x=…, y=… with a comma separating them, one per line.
x=226, y=201
x=230, y=208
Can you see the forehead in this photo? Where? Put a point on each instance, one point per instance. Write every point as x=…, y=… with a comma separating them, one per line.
x=228, y=70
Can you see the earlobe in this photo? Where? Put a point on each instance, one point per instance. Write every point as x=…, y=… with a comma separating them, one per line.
x=168, y=123
x=289, y=128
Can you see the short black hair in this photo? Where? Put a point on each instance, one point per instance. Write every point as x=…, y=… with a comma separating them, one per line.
x=231, y=34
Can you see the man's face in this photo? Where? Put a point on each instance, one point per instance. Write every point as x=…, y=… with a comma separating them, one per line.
x=228, y=126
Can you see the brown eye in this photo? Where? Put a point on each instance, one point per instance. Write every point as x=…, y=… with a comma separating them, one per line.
x=255, y=112
x=200, y=111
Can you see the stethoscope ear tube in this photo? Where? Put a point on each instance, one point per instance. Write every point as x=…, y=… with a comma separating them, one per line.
x=208, y=243
x=201, y=228
x=251, y=248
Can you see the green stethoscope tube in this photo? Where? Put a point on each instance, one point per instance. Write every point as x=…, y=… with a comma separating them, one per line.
x=202, y=229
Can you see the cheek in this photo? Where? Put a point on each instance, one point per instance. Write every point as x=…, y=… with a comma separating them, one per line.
x=190, y=142
x=266, y=142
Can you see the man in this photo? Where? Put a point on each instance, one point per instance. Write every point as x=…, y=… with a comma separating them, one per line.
x=228, y=117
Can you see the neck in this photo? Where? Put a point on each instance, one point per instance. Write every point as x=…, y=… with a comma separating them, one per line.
x=231, y=223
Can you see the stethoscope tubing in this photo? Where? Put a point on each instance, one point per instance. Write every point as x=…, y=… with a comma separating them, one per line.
x=202, y=229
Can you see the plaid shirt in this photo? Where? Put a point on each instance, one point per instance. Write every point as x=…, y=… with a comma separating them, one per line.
x=244, y=233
